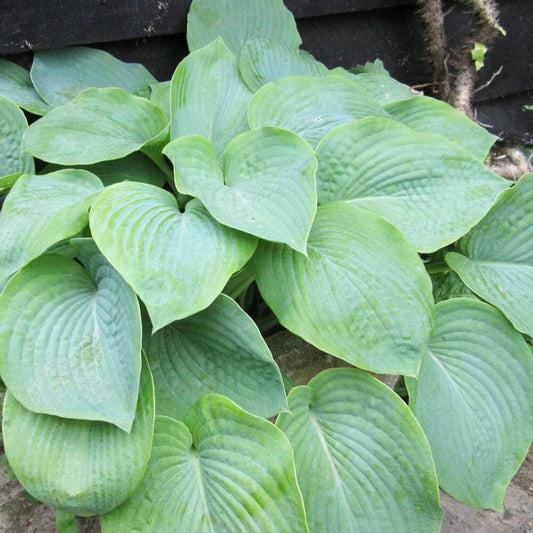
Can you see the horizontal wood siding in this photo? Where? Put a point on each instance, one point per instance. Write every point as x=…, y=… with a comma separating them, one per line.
x=337, y=32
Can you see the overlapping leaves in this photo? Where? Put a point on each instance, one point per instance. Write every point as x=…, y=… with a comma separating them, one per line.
x=429, y=188
x=475, y=383
x=355, y=476
x=176, y=262
x=80, y=466
x=265, y=187
x=85, y=338
x=496, y=257
x=222, y=470
x=362, y=293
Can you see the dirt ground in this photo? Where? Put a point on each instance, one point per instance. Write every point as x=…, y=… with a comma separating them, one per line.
x=300, y=361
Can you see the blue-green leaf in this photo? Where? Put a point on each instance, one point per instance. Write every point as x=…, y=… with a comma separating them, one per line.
x=61, y=74
x=265, y=187
x=223, y=470
x=178, y=263
x=496, y=257
x=208, y=97
x=362, y=461
x=79, y=466
x=236, y=21
x=362, y=293
x=81, y=357
x=474, y=399
x=216, y=350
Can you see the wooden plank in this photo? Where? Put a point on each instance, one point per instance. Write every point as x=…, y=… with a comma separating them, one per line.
x=36, y=25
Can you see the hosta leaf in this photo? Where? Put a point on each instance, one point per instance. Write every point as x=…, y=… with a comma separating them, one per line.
x=61, y=74
x=12, y=126
x=429, y=188
x=208, y=97
x=80, y=466
x=236, y=21
x=225, y=470
x=380, y=85
x=362, y=294
x=447, y=285
x=217, y=350
x=362, y=461
x=6, y=182
x=133, y=167
x=81, y=358
x=473, y=398
x=266, y=186
x=311, y=106
x=496, y=259
x=15, y=83
x=176, y=262
x=429, y=115
x=97, y=125
x=160, y=96
x=40, y=211
x=263, y=60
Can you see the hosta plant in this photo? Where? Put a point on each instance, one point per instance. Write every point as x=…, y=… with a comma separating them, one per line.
x=149, y=233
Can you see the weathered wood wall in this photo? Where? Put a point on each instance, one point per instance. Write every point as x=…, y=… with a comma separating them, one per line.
x=338, y=32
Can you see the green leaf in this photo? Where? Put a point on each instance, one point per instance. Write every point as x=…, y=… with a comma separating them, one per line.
x=362, y=294
x=225, y=470
x=133, y=167
x=79, y=466
x=176, y=262
x=240, y=20
x=429, y=188
x=362, y=461
x=478, y=55
x=473, y=398
x=311, y=106
x=265, y=187
x=61, y=74
x=85, y=338
x=217, y=350
x=160, y=96
x=447, y=285
x=208, y=97
x=379, y=84
x=66, y=522
x=15, y=83
x=263, y=60
x=6, y=182
x=12, y=126
x=496, y=257
x=428, y=115
x=40, y=211
x=97, y=125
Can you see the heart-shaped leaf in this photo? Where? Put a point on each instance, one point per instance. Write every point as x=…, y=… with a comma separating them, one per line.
x=178, y=263
x=311, y=106
x=354, y=474
x=160, y=96
x=266, y=186
x=429, y=115
x=97, y=125
x=208, y=97
x=217, y=350
x=12, y=126
x=40, y=211
x=85, y=338
x=496, y=259
x=225, y=470
x=133, y=167
x=80, y=466
x=61, y=74
x=379, y=84
x=429, y=188
x=362, y=293
x=15, y=83
x=263, y=60
x=473, y=398
x=240, y=20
